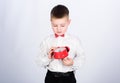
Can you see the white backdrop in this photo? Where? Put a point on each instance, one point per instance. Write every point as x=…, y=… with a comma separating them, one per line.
x=24, y=23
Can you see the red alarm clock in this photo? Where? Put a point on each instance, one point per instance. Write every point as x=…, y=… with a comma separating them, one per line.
x=61, y=52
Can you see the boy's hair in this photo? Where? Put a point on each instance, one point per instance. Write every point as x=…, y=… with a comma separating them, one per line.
x=59, y=11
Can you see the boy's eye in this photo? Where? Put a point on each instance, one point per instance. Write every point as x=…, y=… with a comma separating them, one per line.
x=54, y=25
x=62, y=25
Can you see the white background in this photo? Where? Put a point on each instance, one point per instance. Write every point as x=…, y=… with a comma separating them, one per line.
x=25, y=23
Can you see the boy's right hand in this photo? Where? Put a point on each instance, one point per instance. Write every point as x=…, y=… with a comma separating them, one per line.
x=50, y=54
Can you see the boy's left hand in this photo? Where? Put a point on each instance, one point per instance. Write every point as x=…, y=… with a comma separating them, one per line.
x=67, y=61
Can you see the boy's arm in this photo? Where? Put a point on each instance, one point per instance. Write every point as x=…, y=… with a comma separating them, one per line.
x=42, y=58
x=79, y=58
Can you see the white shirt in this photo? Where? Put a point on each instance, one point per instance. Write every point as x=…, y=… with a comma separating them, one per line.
x=76, y=53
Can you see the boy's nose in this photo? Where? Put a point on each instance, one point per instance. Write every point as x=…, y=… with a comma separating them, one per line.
x=58, y=28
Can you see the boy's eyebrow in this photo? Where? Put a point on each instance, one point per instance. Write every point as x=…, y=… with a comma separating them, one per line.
x=62, y=24
x=53, y=24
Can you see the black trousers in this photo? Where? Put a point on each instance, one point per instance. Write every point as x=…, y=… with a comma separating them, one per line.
x=55, y=77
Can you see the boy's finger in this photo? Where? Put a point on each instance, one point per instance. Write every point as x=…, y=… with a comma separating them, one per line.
x=52, y=48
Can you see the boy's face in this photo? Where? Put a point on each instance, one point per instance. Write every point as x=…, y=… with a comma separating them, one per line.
x=60, y=25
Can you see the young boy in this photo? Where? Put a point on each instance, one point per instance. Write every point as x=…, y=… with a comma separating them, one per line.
x=60, y=64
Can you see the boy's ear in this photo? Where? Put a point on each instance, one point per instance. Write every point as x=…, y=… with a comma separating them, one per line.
x=69, y=21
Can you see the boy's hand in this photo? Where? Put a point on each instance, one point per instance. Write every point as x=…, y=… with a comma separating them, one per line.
x=50, y=54
x=67, y=61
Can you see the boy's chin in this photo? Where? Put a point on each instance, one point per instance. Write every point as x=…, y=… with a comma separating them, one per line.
x=59, y=33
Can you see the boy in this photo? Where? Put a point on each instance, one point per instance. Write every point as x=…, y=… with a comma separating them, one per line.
x=60, y=70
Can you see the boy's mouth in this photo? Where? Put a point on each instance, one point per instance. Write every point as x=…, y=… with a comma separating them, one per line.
x=59, y=32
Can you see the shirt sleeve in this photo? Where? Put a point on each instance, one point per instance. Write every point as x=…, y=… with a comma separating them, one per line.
x=42, y=59
x=79, y=58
